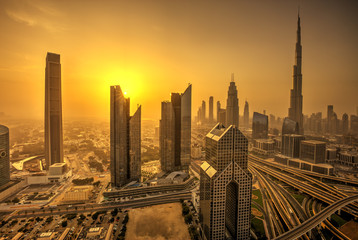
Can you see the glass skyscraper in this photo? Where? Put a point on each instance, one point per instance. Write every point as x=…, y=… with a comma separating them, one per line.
x=53, y=111
x=259, y=126
x=175, y=132
x=125, y=140
x=4, y=155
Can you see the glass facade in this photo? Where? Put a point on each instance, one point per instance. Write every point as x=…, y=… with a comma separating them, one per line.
x=259, y=126
x=4, y=155
x=53, y=111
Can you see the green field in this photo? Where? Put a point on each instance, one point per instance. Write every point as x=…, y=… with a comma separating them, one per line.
x=257, y=226
x=257, y=193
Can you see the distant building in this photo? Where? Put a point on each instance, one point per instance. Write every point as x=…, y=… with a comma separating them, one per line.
x=313, y=151
x=203, y=111
x=225, y=185
x=264, y=147
x=354, y=124
x=345, y=124
x=78, y=194
x=58, y=169
x=211, y=109
x=125, y=140
x=349, y=158
x=222, y=116
x=329, y=118
x=218, y=107
x=53, y=111
x=289, y=127
x=232, y=105
x=4, y=155
x=291, y=145
x=296, y=98
x=175, y=132
x=196, y=151
x=246, y=115
x=259, y=126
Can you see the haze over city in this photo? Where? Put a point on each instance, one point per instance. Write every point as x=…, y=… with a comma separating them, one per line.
x=153, y=48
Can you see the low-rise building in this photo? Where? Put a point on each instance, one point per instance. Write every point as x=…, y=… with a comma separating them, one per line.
x=78, y=194
x=264, y=147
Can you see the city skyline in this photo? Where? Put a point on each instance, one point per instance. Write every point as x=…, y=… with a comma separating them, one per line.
x=85, y=79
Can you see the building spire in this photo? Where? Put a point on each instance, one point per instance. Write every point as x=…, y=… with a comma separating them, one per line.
x=232, y=77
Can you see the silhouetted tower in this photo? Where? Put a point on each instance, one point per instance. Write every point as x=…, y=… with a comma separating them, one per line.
x=211, y=109
x=232, y=105
x=203, y=111
x=218, y=107
x=246, y=115
x=295, y=110
x=345, y=124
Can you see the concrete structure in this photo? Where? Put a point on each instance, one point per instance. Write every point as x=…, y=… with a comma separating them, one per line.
x=345, y=125
x=47, y=235
x=58, y=169
x=259, y=126
x=264, y=147
x=4, y=155
x=211, y=109
x=295, y=110
x=246, y=115
x=195, y=151
x=175, y=132
x=313, y=151
x=78, y=194
x=225, y=185
x=125, y=140
x=232, y=105
x=291, y=144
x=53, y=111
x=348, y=158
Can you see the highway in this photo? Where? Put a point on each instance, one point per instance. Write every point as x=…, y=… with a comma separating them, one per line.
x=133, y=203
x=316, y=219
x=308, y=188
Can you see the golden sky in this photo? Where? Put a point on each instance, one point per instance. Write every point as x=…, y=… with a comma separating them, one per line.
x=152, y=48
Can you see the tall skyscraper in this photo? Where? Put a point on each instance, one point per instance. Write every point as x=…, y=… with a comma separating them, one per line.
x=246, y=115
x=218, y=107
x=175, y=132
x=295, y=110
x=330, y=114
x=211, y=109
x=53, y=111
x=232, y=105
x=225, y=185
x=125, y=140
x=259, y=126
x=345, y=124
x=4, y=155
x=203, y=111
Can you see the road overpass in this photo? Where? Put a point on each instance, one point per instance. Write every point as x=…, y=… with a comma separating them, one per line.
x=316, y=219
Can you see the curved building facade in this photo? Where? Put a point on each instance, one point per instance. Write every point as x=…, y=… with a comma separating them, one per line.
x=259, y=126
x=4, y=155
x=289, y=127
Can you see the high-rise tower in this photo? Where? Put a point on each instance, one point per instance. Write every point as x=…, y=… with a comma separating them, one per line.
x=125, y=140
x=295, y=110
x=4, y=155
x=246, y=115
x=211, y=109
x=175, y=132
x=203, y=111
x=232, y=105
x=53, y=111
x=225, y=185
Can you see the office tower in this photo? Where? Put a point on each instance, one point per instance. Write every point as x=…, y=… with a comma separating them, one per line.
x=225, y=185
x=334, y=123
x=345, y=124
x=211, y=109
x=259, y=126
x=313, y=151
x=329, y=118
x=218, y=107
x=289, y=127
x=246, y=115
x=203, y=111
x=291, y=144
x=295, y=110
x=125, y=140
x=4, y=155
x=232, y=105
x=175, y=132
x=53, y=111
x=354, y=125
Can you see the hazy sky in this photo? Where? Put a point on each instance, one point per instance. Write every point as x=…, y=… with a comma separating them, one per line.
x=152, y=48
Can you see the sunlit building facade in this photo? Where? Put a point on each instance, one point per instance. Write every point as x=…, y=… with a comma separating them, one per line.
x=4, y=155
x=53, y=111
x=125, y=140
x=175, y=132
x=259, y=126
x=225, y=185
x=211, y=109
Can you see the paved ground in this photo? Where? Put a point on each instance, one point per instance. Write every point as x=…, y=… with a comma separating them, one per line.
x=157, y=222
x=350, y=229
